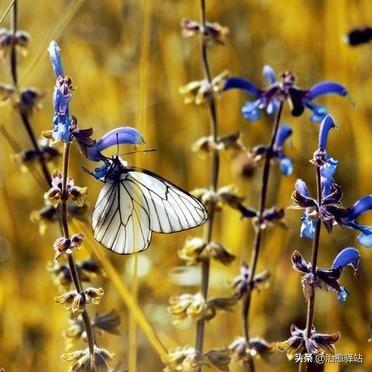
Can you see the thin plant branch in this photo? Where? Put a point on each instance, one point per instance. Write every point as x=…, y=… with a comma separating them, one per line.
x=48, y=178
x=66, y=234
x=259, y=231
x=314, y=260
x=200, y=326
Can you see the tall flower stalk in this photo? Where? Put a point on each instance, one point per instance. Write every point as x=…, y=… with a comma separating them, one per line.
x=70, y=257
x=314, y=260
x=197, y=250
x=29, y=96
x=259, y=228
x=314, y=256
x=62, y=190
x=63, y=194
x=326, y=209
x=271, y=99
x=200, y=325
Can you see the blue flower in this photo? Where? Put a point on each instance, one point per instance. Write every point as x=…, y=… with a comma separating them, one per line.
x=62, y=121
x=278, y=91
x=286, y=166
x=347, y=217
x=92, y=149
x=313, y=211
x=331, y=192
x=347, y=257
x=303, y=200
x=330, y=211
x=308, y=226
x=326, y=176
x=327, y=279
x=325, y=127
x=326, y=163
x=55, y=59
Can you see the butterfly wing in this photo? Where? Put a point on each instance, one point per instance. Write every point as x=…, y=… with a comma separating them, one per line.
x=170, y=208
x=128, y=209
x=119, y=222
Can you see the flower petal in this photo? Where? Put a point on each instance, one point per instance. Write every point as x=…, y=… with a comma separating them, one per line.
x=92, y=152
x=347, y=257
x=61, y=131
x=342, y=294
x=55, y=58
x=362, y=205
x=301, y=187
x=325, y=87
x=326, y=125
x=296, y=101
x=284, y=132
x=318, y=113
x=273, y=106
x=299, y=262
x=118, y=136
x=327, y=172
x=286, y=166
x=365, y=238
x=61, y=102
x=243, y=84
x=269, y=74
x=329, y=168
x=307, y=228
x=251, y=111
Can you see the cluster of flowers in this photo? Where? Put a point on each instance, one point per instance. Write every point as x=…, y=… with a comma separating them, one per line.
x=196, y=250
x=63, y=192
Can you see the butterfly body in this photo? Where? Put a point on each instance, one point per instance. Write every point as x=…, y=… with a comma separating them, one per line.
x=134, y=202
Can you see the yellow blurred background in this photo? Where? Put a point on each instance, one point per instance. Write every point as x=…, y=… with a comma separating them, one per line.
x=128, y=60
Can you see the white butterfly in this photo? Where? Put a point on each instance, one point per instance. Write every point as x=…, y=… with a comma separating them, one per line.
x=135, y=202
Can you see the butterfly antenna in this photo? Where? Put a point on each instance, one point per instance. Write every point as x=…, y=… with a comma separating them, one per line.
x=117, y=144
x=136, y=152
x=86, y=170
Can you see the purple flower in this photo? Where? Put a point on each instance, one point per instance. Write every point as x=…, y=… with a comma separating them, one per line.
x=307, y=229
x=347, y=257
x=7, y=38
x=118, y=136
x=326, y=163
x=331, y=192
x=325, y=127
x=62, y=121
x=286, y=166
x=347, y=217
x=330, y=211
x=244, y=283
x=55, y=59
x=284, y=90
x=92, y=149
x=327, y=279
x=300, y=344
x=313, y=211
